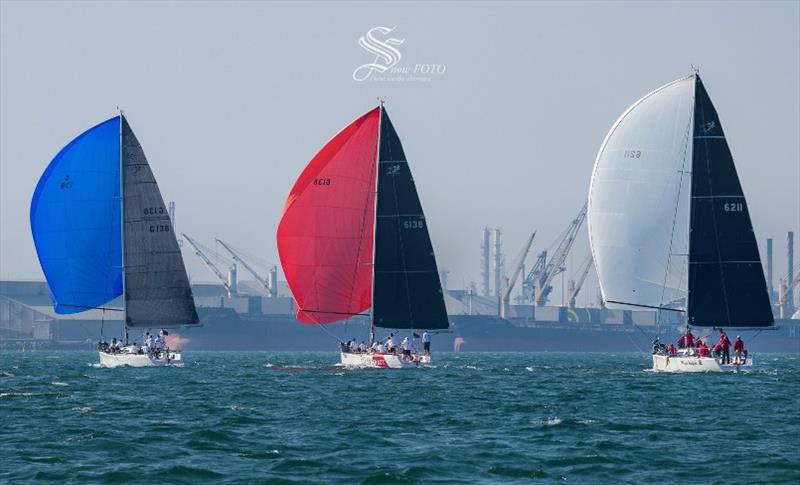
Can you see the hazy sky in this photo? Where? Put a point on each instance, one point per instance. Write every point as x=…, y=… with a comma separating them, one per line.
x=230, y=100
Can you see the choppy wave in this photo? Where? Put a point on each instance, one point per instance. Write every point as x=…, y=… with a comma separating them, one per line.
x=297, y=417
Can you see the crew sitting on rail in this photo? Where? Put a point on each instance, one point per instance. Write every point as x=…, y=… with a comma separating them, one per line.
x=702, y=348
x=135, y=349
x=671, y=350
x=113, y=347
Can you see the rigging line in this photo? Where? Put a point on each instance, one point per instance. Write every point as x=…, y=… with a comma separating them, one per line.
x=370, y=196
x=322, y=327
x=635, y=344
x=677, y=205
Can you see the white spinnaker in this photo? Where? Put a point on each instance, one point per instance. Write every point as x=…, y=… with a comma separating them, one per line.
x=638, y=214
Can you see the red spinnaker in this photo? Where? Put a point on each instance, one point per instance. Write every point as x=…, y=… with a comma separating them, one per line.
x=326, y=230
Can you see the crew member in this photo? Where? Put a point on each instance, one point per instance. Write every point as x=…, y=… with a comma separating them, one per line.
x=738, y=350
x=725, y=344
x=671, y=350
x=150, y=343
x=426, y=342
x=688, y=338
x=160, y=343
x=390, y=343
x=406, y=348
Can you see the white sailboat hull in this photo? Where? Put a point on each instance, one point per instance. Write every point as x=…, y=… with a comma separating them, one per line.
x=381, y=360
x=686, y=363
x=138, y=360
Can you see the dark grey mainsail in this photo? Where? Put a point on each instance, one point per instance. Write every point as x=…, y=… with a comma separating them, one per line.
x=407, y=293
x=726, y=281
x=157, y=291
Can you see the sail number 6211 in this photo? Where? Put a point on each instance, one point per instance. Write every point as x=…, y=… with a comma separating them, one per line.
x=733, y=207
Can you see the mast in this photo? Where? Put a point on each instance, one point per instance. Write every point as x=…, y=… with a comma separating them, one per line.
x=122, y=225
x=375, y=227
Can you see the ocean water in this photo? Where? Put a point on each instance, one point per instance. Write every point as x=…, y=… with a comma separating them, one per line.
x=471, y=417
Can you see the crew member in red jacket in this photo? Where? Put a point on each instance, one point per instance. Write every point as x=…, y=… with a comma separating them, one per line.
x=738, y=350
x=725, y=345
x=689, y=338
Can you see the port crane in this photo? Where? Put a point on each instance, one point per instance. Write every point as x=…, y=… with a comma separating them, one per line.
x=227, y=282
x=538, y=283
x=265, y=282
x=785, y=288
x=508, y=283
x=574, y=286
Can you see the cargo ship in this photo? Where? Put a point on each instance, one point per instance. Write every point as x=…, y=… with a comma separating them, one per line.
x=254, y=320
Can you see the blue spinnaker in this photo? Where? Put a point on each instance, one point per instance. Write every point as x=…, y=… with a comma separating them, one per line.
x=76, y=222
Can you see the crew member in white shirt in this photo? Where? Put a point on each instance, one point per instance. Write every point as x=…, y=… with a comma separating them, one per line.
x=390, y=343
x=406, y=348
x=426, y=342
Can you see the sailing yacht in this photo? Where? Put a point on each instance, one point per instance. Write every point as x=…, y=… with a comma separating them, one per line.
x=353, y=237
x=668, y=222
x=101, y=230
